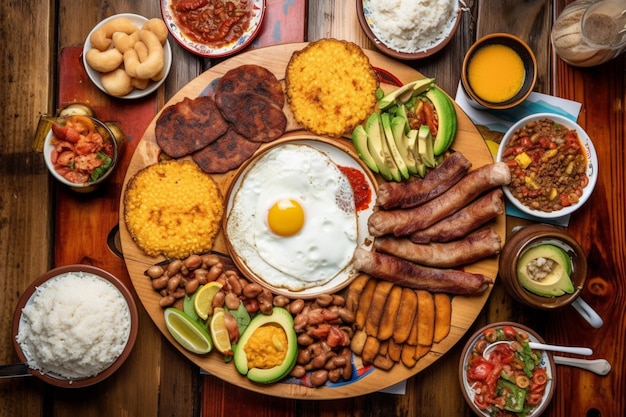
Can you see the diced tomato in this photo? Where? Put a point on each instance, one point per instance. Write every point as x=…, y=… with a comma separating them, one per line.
x=525, y=142
x=509, y=332
x=480, y=371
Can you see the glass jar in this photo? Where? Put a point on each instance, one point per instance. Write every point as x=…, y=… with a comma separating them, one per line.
x=590, y=32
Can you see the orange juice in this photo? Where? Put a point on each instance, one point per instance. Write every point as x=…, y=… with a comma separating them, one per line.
x=496, y=73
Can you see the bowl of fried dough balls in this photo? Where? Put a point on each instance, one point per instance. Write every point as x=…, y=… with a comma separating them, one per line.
x=127, y=55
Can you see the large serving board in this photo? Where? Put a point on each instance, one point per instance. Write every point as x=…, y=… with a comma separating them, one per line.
x=464, y=308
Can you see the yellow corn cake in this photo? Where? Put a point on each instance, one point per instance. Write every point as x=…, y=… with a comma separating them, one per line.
x=173, y=209
x=331, y=87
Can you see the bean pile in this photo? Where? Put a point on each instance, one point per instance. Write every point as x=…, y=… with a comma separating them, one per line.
x=324, y=325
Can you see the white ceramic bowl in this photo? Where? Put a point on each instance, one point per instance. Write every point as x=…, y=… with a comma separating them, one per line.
x=588, y=149
x=342, y=156
x=77, y=269
x=207, y=50
x=85, y=187
x=546, y=361
x=366, y=20
x=94, y=75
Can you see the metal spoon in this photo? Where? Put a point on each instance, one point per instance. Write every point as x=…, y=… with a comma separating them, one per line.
x=542, y=346
x=597, y=366
x=14, y=370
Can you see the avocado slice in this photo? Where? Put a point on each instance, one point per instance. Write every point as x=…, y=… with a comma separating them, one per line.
x=425, y=146
x=393, y=148
x=446, y=115
x=405, y=145
x=279, y=317
x=557, y=267
x=376, y=144
x=359, y=140
x=412, y=146
x=405, y=93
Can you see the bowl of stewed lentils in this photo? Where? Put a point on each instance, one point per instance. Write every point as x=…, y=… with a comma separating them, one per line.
x=554, y=166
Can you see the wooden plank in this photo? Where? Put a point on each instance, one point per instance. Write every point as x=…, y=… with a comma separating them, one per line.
x=25, y=220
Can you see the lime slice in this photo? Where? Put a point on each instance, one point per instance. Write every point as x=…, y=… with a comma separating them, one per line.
x=203, y=299
x=219, y=333
x=190, y=334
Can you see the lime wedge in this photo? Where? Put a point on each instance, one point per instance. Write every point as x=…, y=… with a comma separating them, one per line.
x=219, y=333
x=203, y=299
x=189, y=333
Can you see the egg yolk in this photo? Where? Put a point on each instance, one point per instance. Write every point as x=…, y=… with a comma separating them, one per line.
x=285, y=217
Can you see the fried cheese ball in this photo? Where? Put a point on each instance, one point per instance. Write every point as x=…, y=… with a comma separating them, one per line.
x=173, y=209
x=331, y=87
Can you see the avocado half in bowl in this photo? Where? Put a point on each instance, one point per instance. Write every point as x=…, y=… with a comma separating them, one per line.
x=543, y=266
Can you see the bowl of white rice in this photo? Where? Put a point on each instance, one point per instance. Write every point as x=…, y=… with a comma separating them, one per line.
x=75, y=326
x=409, y=29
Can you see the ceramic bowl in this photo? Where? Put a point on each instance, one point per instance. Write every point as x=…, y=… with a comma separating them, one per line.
x=58, y=273
x=528, y=237
x=213, y=50
x=587, y=149
x=474, y=347
x=365, y=16
x=94, y=75
x=49, y=153
x=530, y=71
x=342, y=156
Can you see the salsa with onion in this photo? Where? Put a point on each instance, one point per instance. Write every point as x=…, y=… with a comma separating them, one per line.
x=511, y=382
x=548, y=165
x=80, y=153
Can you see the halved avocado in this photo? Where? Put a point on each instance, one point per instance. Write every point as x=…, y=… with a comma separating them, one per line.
x=446, y=115
x=553, y=281
x=282, y=318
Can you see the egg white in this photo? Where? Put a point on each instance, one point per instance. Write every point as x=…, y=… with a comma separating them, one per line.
x=323, y=247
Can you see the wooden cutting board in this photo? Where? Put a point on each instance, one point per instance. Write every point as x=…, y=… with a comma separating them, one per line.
x=464, y=308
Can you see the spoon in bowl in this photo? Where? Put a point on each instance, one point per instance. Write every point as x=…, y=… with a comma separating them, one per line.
x=542, y=346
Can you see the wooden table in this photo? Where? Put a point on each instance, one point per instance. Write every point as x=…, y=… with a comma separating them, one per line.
x=157, y=379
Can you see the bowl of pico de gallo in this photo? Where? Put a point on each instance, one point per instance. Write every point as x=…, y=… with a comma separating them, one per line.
x=508, y=379
x=80, y=152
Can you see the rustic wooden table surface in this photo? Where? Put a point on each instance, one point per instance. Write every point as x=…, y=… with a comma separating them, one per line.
x=42, y=225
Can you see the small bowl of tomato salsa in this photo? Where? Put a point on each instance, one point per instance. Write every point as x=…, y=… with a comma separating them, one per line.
x=213, y=28
x=511, y=379
x=80, y=152
x=554, y=165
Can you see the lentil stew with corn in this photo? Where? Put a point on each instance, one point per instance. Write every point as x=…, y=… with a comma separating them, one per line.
x=548, y=165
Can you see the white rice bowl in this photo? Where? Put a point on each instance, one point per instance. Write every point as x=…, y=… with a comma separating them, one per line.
x=411, y=26
x=74, y=326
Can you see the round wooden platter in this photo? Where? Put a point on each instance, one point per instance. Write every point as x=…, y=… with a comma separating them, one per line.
x=464, y=308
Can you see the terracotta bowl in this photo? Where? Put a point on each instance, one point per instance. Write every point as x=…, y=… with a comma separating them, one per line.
x=471, y=348
x=363, y=13
x=530, y=68
x=528, y=237
x=58, y=380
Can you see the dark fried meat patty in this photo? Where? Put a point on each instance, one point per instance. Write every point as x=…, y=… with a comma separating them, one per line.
x=226, y=153
x=189, y=125
x=254, y=116
x=251, y=79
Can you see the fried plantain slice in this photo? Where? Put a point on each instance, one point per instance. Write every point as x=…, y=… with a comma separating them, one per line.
x=406, y=315
x=377, y=307
x=443, y=316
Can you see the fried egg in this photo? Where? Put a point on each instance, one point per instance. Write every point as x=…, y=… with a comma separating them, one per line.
x=293, y=220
